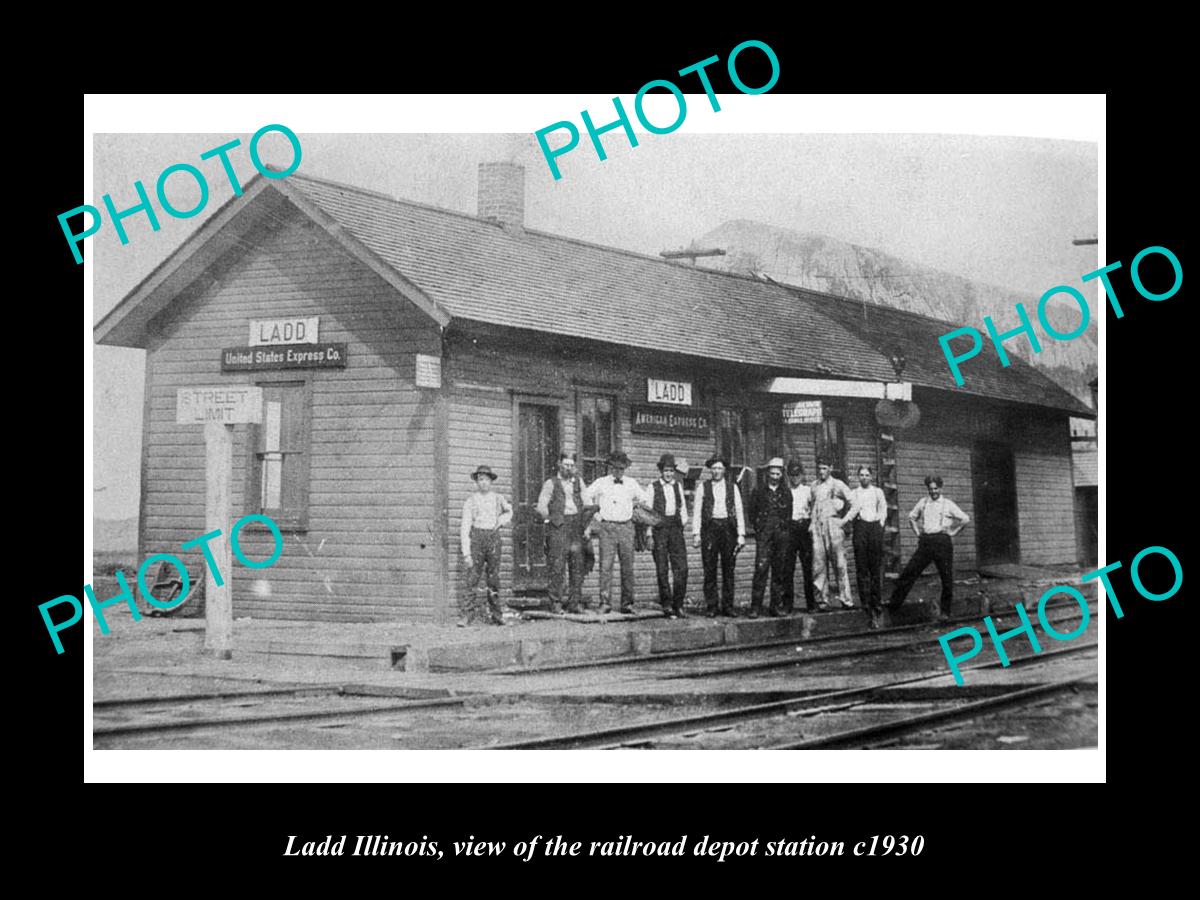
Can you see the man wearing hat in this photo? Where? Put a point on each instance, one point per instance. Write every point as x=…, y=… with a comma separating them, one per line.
x=830, y=496
x=718, y=529
x=616, y=495
x=561, y=507
x=770, y=511
x=670, y=548
x=935, y=520
x=485, y=512
x=799, y=539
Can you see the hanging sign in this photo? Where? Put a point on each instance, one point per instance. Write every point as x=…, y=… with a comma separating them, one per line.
x=258, y=359
x=429, y=371
x=656, y=420
x=802, y=412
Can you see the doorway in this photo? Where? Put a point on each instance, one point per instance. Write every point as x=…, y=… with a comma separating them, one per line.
x=997, y=537
x=536, y=449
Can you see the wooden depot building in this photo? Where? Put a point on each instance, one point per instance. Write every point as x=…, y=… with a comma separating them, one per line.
x=399, y=346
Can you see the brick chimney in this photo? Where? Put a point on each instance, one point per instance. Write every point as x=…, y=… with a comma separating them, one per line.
x=502, y=194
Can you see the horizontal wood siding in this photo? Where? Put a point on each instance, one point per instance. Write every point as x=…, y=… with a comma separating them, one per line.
x=479, y=432
x=484, y=381
x=950, y=459
x=1045, y=491
x=369, y=553
x=859, y=434
x=1040, y=442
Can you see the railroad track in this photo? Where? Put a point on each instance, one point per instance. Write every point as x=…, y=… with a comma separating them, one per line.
x=646, y=734
x=296, y=691
x=872, y=735
x=181, y=722
x=196, y=712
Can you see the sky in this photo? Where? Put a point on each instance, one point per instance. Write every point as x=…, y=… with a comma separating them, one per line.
x=998, y=209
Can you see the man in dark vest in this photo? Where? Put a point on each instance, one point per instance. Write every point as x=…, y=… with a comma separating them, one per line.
x=770, y=511
x=670, y=548
x=800, y=540
x=560, y=504
x=718, y=529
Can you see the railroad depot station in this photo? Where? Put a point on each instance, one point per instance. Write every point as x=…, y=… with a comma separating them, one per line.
x=399, y=346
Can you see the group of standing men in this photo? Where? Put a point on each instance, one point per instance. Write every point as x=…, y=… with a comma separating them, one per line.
x=792, y=519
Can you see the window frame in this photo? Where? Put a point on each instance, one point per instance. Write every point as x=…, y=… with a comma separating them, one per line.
x=772, y=426
x=296, y=521
x=582, y=395
x=820, y=446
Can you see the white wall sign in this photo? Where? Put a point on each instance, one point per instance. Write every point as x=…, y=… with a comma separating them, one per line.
x=230, y=404
x=802, y=412
x=677, y=392
x=429, y=371
x=283, y=331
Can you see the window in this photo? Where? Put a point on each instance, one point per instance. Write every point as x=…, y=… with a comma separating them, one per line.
x=748, y=438
x=279, y=452
x=831, y=445
x=731, y=442
x=597, y=434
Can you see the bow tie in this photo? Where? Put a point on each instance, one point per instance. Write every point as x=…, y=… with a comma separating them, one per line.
x=616, y=481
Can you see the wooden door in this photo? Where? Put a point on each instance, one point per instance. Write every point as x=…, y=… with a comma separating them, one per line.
x=537, y=447
x=996, y=531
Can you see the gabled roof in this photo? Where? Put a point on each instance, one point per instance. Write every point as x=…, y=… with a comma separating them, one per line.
x=460, y=267
x=528, y=279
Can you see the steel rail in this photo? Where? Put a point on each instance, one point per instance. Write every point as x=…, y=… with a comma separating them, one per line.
x=768, y=664
x=117, y=702
x=607, y=738
x=271, y=718
x=871, y=734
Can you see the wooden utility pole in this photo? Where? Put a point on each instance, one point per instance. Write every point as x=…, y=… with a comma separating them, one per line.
x=218, y=599
x=218, y=408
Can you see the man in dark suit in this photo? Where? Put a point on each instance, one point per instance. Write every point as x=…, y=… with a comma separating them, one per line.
x=800, y=540
x=770, y=511
x=719, y=530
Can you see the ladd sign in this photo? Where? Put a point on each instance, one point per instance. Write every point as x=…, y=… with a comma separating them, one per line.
x=676, y=392
x=284, y=331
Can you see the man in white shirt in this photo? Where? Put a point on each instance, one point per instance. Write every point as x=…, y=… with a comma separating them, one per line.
x=718, y=529
x=868, y=511
x=616, y=495
x=799, y=540
x=670, y=548
x=935, y=519
x=485, y=512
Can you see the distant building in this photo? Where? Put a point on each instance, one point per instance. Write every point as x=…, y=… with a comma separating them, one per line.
x=1085, y=459
x=444, y=340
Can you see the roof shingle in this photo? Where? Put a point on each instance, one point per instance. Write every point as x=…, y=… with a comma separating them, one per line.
x=480, y=271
